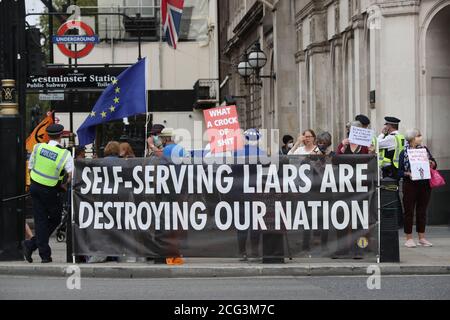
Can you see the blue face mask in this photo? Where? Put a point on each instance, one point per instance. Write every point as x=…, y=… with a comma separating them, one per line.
x=156, y=140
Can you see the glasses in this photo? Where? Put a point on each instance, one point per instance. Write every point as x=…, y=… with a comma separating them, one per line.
x=309, y=137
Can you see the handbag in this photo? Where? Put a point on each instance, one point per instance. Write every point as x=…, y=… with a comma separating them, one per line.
x=436, y=180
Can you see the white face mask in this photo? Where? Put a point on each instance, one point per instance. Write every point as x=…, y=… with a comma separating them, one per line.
x=290, y=145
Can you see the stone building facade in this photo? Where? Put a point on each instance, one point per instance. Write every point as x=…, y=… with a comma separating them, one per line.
x=334, y=59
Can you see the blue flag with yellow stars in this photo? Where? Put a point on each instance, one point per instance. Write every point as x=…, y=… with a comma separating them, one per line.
x=124, y=97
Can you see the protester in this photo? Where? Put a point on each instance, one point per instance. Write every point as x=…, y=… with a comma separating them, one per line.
x=365, y=122
x=416, y=194
x=288, y=143
x=306, y=144
x=345, y=147
x=324, y=144
x=80, y=152
x=324, y=149
x=112, y=150
x=126, y=151
x=154, y=142
x=251, y=148
x=347, y=238
x=172, y=152
x=252, y=138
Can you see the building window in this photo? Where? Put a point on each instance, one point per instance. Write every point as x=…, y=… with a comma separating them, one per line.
x=146, y=8
x=194, y=22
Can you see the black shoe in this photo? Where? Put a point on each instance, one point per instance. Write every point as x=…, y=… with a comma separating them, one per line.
x=47, y=260
x=27, y=252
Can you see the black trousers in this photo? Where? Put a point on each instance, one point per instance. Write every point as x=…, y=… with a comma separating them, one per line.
x=416, y=196
x=47, y=211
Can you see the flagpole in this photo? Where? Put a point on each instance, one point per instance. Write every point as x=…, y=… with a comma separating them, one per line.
x=146, y=108
x=161, y=30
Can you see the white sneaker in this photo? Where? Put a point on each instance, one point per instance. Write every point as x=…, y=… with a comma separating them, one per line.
x=425, y=243
x=410, y=243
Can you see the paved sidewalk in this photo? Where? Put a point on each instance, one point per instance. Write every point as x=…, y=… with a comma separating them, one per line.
x=434, y=260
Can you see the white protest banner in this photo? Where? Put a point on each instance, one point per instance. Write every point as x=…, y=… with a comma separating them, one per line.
x=361, y=136
x=420, y=165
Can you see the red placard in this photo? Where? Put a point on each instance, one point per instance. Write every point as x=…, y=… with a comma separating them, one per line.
x=223, y=129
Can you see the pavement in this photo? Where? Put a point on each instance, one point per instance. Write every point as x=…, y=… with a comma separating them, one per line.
x=416, y=261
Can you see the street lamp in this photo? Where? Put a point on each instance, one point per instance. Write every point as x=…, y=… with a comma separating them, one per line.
x=245, y=69
x=257, y=58
x=252, y=63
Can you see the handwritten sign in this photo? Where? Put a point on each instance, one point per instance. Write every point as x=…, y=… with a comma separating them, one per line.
x=420, y=165
x=223, y=129
x=361, y=136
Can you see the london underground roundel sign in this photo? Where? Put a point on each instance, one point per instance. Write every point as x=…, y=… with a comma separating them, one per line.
x=62, y=39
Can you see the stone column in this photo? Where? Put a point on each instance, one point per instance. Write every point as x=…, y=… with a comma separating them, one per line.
x=399, y=67
x=286, y=88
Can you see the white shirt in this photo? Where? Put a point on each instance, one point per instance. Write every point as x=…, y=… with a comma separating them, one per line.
x=302, y=151
x=387, y=142
x=69, y=163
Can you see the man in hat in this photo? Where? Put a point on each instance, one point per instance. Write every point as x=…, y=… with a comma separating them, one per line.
x=390, y=143
x=171, y=151
x=47, y=165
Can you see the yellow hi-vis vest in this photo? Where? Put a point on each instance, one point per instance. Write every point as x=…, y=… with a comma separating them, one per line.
x=48, y=163
x=399, y=147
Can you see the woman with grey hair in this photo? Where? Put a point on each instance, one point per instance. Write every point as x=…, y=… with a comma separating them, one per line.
x=324, y=144
x=416, y=193
x=349, y=148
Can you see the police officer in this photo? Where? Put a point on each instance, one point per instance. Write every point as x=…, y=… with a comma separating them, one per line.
x=390, y=143
x=48, y=163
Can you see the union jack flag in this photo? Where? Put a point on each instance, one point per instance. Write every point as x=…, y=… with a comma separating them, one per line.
x=171, y=11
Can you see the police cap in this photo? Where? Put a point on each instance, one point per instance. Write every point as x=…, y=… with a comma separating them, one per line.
x=363, y=119
x=55, y=129
x=392, y=120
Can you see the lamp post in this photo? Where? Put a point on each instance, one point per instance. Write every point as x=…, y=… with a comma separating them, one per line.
x=252, y=64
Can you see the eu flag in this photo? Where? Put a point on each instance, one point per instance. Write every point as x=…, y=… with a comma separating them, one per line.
x=124, y=97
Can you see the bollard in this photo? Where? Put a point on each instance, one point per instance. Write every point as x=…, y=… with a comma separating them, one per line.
x=390, y=209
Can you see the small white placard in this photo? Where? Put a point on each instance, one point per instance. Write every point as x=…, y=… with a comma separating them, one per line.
x=420, y=165
x=361, y=136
